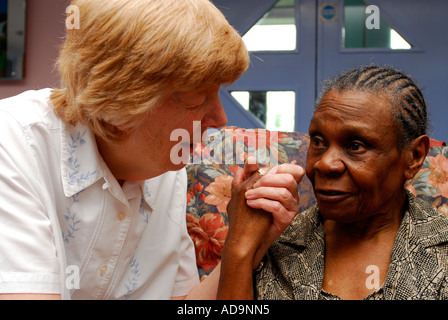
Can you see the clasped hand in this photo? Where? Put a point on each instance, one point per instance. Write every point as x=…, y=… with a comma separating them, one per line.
x=262, y=207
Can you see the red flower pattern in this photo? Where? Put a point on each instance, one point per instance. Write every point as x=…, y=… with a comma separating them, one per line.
x=208, y=234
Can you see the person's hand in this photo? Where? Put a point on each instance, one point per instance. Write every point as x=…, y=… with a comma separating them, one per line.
x=252, y=229
x=276, y=193
x=247, y=226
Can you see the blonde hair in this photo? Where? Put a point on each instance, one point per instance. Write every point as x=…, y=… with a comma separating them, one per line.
x=127, y=55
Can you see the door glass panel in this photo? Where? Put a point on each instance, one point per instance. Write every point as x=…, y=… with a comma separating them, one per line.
x=360, y=30
x=276, y=31
x=275, y=109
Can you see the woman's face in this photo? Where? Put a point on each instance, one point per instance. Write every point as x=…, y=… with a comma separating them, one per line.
x=147, y=152
x=353, y=161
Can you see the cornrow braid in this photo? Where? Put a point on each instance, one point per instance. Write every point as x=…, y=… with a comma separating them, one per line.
x=408, y=105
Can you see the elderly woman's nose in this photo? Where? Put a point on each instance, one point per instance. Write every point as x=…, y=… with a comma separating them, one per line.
x=330, y=162
x=216, y=117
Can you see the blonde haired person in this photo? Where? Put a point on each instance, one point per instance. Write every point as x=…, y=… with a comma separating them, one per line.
x=92, y=207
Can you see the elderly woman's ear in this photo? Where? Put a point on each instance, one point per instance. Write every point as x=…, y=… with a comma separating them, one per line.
x=416, y=151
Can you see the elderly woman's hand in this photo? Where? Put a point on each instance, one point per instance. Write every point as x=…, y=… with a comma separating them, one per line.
x=276, y=193
x=263, y=206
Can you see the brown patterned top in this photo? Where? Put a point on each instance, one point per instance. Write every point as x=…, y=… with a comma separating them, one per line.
x=293, y=268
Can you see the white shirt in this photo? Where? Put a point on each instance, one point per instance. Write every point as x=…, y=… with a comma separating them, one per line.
x=66, y=225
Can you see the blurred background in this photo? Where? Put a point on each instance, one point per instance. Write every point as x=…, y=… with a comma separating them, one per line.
x=294, y=45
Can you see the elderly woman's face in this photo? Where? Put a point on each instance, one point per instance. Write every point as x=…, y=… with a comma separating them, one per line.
x=353, y=161
x=148, y=149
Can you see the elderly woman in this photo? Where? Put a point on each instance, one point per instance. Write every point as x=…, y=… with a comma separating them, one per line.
x=92, y=205
x=367, y=237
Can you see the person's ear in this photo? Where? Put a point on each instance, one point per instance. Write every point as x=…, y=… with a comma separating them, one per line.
x=417, y=152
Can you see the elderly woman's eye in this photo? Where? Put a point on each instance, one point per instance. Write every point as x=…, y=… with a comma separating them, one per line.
x=356, y=146
x=198, y=104
x=317, y=141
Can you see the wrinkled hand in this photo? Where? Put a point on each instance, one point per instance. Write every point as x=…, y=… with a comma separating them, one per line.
x=262, y=207
x=276, y=193
x=247, y=226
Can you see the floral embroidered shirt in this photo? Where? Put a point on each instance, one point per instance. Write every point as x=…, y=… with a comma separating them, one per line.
x=294, y=265
x=67, y=227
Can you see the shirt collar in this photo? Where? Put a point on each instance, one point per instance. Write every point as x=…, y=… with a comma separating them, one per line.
x=82, y=166
x=80, y=160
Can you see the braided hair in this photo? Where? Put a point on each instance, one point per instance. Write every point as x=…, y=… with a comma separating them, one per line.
x=408, y=104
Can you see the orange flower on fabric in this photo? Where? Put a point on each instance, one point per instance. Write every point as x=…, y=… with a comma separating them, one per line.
x=208, y=235
x=438, y=176
x=220, y=192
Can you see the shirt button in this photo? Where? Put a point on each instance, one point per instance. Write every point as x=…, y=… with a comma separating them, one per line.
x=103, y=270
x=121, y=216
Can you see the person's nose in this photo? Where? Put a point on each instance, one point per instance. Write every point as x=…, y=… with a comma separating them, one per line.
x=330, y=162
x=216, y=116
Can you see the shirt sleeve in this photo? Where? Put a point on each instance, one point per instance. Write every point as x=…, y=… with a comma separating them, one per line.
x=28, y=260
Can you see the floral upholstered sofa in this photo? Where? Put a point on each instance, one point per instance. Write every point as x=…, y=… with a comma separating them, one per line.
x=212, y=167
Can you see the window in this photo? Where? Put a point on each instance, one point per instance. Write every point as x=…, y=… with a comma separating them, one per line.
x=276, y=31
x=356, y=35
x=275, y=109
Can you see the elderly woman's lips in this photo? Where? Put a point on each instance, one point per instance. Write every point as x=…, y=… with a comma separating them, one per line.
x=332, y=195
